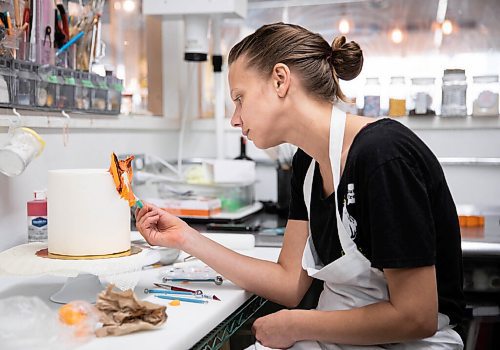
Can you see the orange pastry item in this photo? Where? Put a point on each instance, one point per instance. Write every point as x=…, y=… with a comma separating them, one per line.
x=70, y=315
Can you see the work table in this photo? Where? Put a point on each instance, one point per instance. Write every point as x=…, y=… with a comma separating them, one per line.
x=188, y=325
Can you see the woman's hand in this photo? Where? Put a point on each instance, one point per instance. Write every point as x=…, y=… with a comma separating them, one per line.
x=160, y=227
x=274, y=331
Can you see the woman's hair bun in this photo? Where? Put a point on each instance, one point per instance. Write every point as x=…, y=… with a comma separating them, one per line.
x=347, y=58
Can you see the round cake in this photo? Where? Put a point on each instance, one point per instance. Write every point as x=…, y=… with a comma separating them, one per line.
x=86, y=216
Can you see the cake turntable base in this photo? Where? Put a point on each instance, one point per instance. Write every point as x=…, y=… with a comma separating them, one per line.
x=83, y=281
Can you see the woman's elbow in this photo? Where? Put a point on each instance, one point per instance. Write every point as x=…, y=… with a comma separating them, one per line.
x=291, y=302
x=425, y=327
x=292, y=299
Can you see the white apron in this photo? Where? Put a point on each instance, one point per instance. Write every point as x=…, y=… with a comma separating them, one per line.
x=350, y=281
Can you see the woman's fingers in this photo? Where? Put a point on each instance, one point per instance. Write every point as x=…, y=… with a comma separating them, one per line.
x=151, y=221
x=145, y=216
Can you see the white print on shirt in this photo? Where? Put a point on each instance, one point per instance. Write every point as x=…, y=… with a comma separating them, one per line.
x=348, y=221
x=350, y=194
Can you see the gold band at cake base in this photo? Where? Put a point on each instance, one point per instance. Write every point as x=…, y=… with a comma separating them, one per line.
x=44, y=253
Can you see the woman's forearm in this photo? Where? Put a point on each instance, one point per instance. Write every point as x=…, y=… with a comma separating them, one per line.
x=378, y=323
x=267, y=279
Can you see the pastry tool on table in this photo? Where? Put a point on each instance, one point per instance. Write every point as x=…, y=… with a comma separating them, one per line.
x=217, y=280
x=188, y=300
x=163, y=291
x=197, y=292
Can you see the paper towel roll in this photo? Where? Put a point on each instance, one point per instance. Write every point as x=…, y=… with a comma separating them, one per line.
x=234, y=241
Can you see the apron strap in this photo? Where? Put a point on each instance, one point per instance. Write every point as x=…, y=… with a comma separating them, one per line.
x=337, y=129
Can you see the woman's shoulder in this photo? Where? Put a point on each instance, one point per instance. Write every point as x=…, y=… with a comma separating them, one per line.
x=386, y=140
x=300, y=164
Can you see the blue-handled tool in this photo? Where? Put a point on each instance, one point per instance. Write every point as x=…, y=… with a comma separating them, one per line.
x=163, y=291
x=69, y=43
x=187, y=300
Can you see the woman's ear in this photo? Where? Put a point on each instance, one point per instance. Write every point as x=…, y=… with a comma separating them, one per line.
x=281, y=79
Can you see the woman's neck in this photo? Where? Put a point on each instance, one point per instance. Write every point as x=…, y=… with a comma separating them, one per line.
x=311, y=131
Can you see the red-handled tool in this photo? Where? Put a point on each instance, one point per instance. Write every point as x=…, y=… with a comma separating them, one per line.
x=198, y=292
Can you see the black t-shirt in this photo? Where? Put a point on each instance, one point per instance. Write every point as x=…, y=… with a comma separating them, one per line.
x=395, y=202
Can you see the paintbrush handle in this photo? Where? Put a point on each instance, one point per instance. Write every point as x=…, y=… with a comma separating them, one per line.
x=163, y=291
x=187, y=300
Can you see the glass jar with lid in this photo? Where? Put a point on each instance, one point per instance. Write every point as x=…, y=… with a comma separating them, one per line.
x=454, y=93
x=397, y=97
x=371, y=92
x=485, y=95
x=423, y=97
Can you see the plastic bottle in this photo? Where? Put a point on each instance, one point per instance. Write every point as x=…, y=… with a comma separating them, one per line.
x=485, y=92
x=397, y=97
x=423, y=97
x=371, y=106
x=37, y=217
x=454, y=93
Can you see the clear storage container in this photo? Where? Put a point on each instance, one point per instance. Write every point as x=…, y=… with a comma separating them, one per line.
x=485, y=95
x=114, y=94
x=454, y=93
x=371, y=107
x=397, y=97
x=232, y=196
x=423, y=96
x=7, y=80
x=83, y=91
x=67, y=89
x=99, y=94
x=26, y=81
x=47, y=88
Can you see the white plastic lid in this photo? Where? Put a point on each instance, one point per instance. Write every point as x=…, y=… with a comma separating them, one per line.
x=372, y=81
x=397, y=80
x=40, y=195
x=423, y=81
x=453, y=74
x=485, y=79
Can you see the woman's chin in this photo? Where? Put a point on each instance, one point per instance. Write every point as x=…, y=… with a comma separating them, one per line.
x=260, y=144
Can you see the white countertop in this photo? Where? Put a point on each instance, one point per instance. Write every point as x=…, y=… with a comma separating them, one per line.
x=186, y=324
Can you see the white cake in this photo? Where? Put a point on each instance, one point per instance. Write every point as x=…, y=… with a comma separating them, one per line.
x=86, y=215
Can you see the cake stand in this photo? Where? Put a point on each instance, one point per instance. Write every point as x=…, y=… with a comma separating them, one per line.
x=83, y=281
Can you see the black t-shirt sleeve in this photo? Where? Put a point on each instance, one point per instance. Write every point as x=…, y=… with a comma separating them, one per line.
x=400, y=217
x=300, y=164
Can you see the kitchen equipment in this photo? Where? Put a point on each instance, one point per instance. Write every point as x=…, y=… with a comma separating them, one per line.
x=23, y=146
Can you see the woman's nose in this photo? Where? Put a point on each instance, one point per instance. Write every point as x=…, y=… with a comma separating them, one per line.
x=235, y=119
